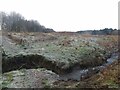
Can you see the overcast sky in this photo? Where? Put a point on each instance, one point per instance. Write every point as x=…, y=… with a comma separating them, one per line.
x=67, y=15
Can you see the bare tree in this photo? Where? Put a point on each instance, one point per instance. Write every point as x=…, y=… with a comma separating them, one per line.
x=16, y=22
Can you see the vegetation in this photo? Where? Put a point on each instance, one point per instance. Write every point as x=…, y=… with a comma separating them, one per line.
x=16, y=22
x=32, y=58
x=106, y=31
x=107, y=78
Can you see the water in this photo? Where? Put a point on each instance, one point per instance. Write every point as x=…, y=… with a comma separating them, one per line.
x=78, y=74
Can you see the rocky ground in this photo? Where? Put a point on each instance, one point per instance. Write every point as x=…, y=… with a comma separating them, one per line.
x=26, y=54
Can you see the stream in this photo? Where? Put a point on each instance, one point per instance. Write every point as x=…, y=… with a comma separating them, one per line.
x=80, y=74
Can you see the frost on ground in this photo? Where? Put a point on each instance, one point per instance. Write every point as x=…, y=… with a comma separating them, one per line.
x=31, y=78
x=59, y=52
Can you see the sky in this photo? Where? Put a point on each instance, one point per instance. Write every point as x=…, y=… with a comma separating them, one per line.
x=67, y=15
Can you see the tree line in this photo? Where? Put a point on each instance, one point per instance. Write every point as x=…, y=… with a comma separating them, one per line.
x=17, y=23
x=106, y=31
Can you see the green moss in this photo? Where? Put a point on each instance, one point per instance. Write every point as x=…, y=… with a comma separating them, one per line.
x=111, y=84
x=8, y=80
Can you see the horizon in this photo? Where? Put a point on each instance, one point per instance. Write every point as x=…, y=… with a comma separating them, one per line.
x=64, y=15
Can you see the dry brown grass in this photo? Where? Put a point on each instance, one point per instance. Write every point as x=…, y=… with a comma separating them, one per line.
x=108, y=78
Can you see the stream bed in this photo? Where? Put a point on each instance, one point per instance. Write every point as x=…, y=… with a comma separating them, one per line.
x=80, y=74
